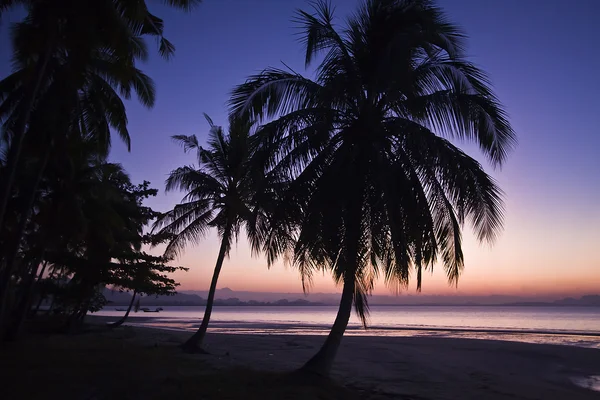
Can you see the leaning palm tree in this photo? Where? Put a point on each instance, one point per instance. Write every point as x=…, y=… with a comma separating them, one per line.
x=381, y=189
x=219, y=195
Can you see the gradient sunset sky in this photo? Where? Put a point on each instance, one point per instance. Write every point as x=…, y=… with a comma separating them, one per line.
x=544, y=62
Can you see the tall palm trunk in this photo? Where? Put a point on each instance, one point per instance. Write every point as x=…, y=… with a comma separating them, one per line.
x=194, y=343
x=122, y=320
x=14, y=155
x=322, y=362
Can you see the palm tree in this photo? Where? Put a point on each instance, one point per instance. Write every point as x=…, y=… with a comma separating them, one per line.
x=67, y=61
x=71, y=58
x=62, y=26
x=76, y=95
x=80, y=99
x=380, y=188
x=219, y=195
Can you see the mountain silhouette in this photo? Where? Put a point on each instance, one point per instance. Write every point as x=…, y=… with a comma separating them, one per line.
x=229, y=297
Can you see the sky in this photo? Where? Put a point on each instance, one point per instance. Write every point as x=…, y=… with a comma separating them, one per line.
x=543, y=61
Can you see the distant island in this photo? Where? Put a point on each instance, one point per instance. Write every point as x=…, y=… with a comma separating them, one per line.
x=583, y=301
x=116, y=298
x=228, y=297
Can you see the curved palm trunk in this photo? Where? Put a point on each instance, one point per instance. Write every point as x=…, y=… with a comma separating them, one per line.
x=194, y=343
x=122, y=320
x=322, y=362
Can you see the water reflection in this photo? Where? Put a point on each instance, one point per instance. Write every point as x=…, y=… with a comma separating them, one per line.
x=243, y=327
x=588, y=382
x=576, y=326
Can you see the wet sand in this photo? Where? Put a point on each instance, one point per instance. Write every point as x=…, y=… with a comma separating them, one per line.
x=414, y=367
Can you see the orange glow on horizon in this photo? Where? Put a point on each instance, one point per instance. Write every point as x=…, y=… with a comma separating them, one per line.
x=535, y=256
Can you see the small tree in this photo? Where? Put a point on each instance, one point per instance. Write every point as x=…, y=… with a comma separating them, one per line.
x=143, y=273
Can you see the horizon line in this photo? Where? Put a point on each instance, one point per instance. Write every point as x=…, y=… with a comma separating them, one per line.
x=416, y=294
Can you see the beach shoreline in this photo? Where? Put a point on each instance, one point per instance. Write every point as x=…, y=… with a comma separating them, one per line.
x=561, y=337
x=422, y=367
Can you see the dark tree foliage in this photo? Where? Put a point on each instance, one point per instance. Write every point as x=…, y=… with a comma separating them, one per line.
x=377, y=188
x=62, y=205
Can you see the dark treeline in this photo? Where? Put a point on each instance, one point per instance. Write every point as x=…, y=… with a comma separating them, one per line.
x=349, y=173
x=71, y=222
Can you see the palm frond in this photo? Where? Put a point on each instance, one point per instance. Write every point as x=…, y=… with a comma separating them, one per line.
x=319, y=33
x=195, y=182
x=187, y=142
x=187, y=223
x=165, y=48
x=273, y=92
x=186, y=5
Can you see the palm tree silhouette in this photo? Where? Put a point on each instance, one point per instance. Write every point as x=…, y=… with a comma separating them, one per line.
x=72, y=31
x=377, y=189
x=220, y=194
x=74, y=63
x=81, y=97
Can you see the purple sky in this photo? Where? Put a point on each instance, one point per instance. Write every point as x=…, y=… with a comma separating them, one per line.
x=543, y=60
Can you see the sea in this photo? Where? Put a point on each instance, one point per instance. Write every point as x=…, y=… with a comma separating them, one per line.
x=576, y=326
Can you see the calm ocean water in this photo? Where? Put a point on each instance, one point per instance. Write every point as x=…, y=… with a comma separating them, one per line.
x=563, y=325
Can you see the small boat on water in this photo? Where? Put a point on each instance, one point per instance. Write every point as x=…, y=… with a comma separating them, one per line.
x=146, y=309
x=121, y=309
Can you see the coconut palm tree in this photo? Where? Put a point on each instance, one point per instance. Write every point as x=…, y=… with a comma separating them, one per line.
x=66, y=26
x=71, y=59
x=220, y=193
x=381, y=189
x=81, y=98
x=135, y=14
x=47, y=51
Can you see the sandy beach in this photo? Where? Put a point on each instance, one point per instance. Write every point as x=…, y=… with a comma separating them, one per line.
x=413, y=367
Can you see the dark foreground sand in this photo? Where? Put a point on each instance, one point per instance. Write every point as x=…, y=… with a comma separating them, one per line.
x=414, y=367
